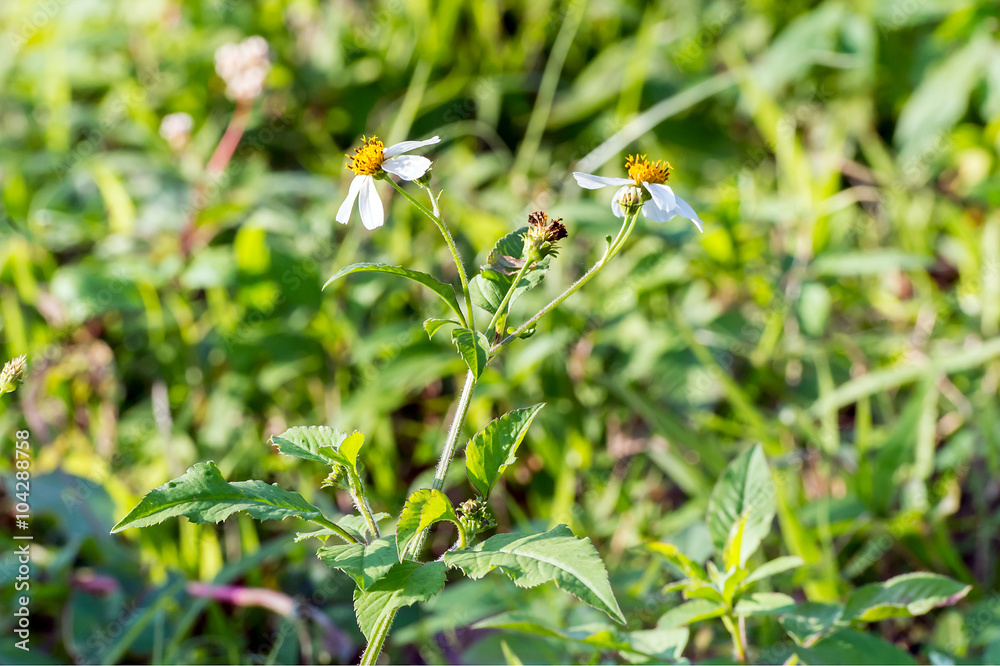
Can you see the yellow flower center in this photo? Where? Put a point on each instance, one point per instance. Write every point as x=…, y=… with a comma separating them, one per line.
x=368, y=157
x=641, y=170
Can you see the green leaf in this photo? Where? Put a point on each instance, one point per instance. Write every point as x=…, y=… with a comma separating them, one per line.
x=903, y=596
x=557, y=555
x=474, y=348
x=765, y=603
x=205, y=497
x=772, y=568
x=732, y=554
x=491, y=285
x=364, y=563
x=432, y=326
x=694, y=610
x=673, y=554
x=445, y=291
x=744, y=487
x=405, y=584
x=424, y=508
x=320, y=444
x=809, y=620
x=492, y=449
x=847, y=646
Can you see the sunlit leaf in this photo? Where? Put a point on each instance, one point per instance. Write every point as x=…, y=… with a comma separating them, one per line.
x=493, y=448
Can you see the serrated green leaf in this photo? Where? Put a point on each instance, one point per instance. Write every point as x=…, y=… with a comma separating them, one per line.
x=764, y=603
x=320, y=444
x=445, y=291
x=405, y=584
x=432, y=325
x=474, y=348
x=903, y=596
x=694, y=610
x=364, y=563
x=423, y=508
x=204, y=496
x=493, y=448
x=772, y=568
x=557, y=555
x=744, y=487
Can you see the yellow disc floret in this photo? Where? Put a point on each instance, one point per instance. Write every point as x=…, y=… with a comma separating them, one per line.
x=641, y=170
x=368, y=157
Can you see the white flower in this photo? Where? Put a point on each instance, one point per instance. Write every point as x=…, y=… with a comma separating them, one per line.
x=176, y=129
x=658, y=201
x=243, y=67
x=371, y=159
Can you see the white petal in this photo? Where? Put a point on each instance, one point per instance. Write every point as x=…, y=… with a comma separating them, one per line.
x=615, y=206
x=372, y=214
x=685, y=210
x=663, y=197
x=344, y=213
x=651, y=211
x=591, y=182
x=407, y=167
x=407, y=146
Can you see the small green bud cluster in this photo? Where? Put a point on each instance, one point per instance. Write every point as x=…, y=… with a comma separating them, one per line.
x=475, y=517
x=337, y=478
x=12, y=373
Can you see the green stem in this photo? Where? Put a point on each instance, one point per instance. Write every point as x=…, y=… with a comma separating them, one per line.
x=337, y=529
x=361, y=501
x=509, y=294
x=609, y=253
x=379, y=634
x=471, y=317
x=738, y=648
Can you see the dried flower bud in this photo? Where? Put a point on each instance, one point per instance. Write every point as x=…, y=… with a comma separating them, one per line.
x=176, y=128
x=12, y=373
x=475, y=517
x=243, y=67
x=542, y=236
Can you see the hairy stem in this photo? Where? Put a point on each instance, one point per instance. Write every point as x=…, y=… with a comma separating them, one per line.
x=380, y=633
x=470, y=315
x=361, y=502
x=510, y=292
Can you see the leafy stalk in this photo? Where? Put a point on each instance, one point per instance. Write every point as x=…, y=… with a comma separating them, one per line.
x=357, y=491
x=337, y=529
x=501, y=310
x=738, y=647
x=451, y=246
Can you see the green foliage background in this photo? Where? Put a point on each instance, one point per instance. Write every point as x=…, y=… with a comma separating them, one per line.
x=842, y=306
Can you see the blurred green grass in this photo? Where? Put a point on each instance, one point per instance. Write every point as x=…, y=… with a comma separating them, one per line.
x=842, y=306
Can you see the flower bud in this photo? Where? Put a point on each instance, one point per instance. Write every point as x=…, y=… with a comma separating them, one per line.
x=12, y=373
x=542, y=236
x=176, y=128
x=475, y=517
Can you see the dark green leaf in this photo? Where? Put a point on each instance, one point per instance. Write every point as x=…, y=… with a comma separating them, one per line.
x=445, y=291
x=557, y=555
x=474, y=348
x=493, y=448
x=205, y=497
x=364, y=563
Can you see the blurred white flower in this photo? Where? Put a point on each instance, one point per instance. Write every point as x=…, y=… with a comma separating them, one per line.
x=658, y=201
x=373, y=158
x=176, y=128
x=243, y=67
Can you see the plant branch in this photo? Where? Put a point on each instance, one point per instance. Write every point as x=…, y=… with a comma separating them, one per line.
x=379, y=634
x=613, y=248
x=451, y=246
x=510, y=293
x=738, y=647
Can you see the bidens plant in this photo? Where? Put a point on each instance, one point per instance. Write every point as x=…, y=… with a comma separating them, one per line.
x=389, y=569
